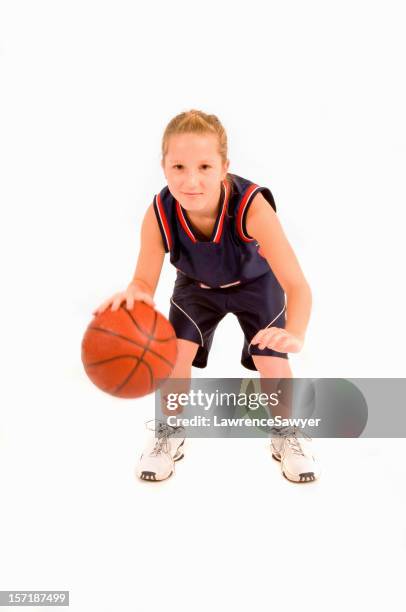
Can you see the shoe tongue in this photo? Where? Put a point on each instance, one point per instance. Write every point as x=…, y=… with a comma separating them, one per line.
x=283, y=431
x=163, y=431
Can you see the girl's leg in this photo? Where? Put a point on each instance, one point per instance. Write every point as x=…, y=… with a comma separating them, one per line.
x=290, y=448
x=272, y=367
x=157, y=462
x=183, y=370
x=271, y=370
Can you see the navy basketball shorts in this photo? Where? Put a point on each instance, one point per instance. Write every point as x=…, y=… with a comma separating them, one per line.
x=195, y=313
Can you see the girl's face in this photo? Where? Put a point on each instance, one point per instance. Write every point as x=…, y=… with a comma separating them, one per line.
x=194, y=170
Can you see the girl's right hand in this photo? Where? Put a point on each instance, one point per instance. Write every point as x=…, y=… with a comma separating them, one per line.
x=130, y=295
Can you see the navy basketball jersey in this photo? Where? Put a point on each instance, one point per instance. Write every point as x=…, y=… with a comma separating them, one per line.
x=230, y=255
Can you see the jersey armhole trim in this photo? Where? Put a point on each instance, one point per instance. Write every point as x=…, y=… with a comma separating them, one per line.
x=249, y=195
x=162, y=223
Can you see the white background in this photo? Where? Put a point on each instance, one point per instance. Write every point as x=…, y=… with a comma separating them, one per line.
x=312, y=95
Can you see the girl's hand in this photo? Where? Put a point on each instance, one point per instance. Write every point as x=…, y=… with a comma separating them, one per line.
x=278, y=339
x=130, y=295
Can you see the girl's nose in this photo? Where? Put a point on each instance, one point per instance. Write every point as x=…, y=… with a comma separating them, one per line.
x=191, y=179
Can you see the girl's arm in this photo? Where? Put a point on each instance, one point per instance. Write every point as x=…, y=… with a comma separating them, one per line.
x=151, y=255
x=263, y=224
x=148, y=270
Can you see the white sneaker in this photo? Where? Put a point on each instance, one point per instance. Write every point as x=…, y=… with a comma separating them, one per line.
x=157, y=462
x=293, y=448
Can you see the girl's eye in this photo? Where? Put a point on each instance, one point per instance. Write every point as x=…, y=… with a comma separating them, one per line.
x=180, y=166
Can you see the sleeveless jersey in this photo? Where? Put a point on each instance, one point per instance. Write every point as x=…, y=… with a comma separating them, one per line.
x=230, y=256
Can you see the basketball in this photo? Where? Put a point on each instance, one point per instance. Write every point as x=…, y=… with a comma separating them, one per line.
x=125, y=352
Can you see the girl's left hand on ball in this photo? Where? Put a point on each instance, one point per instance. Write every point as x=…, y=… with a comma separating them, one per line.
x=278, y=339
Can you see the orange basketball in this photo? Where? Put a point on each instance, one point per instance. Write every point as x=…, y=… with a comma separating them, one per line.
x=124, y=352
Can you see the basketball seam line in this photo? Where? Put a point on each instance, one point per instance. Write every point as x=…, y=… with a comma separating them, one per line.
x=141, y=360
x=108, y=331
x=143, y=331
x=101, y=361
x=137, y=359
x=130, y=375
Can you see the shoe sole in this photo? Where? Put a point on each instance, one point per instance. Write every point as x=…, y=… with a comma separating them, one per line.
x=150, y=476
x=303, y=478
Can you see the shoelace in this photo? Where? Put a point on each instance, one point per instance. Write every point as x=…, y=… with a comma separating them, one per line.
x=163, y=433
x=290, y=436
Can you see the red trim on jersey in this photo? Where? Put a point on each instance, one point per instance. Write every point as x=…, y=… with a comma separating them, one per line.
x=220, y=224
x=243, y=205
x=164, y=221
x=219, y=231
x=183, y=222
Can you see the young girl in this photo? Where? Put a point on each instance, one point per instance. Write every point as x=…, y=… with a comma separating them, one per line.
x=231, y=255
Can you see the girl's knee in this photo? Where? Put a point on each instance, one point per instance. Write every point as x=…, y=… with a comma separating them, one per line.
x=179, y=380
x=186, y=353
x=272, y=367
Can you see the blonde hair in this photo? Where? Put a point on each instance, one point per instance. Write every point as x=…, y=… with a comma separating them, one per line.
x=197, y=122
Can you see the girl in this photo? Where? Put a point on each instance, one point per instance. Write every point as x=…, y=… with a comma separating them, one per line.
x=212, y=224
